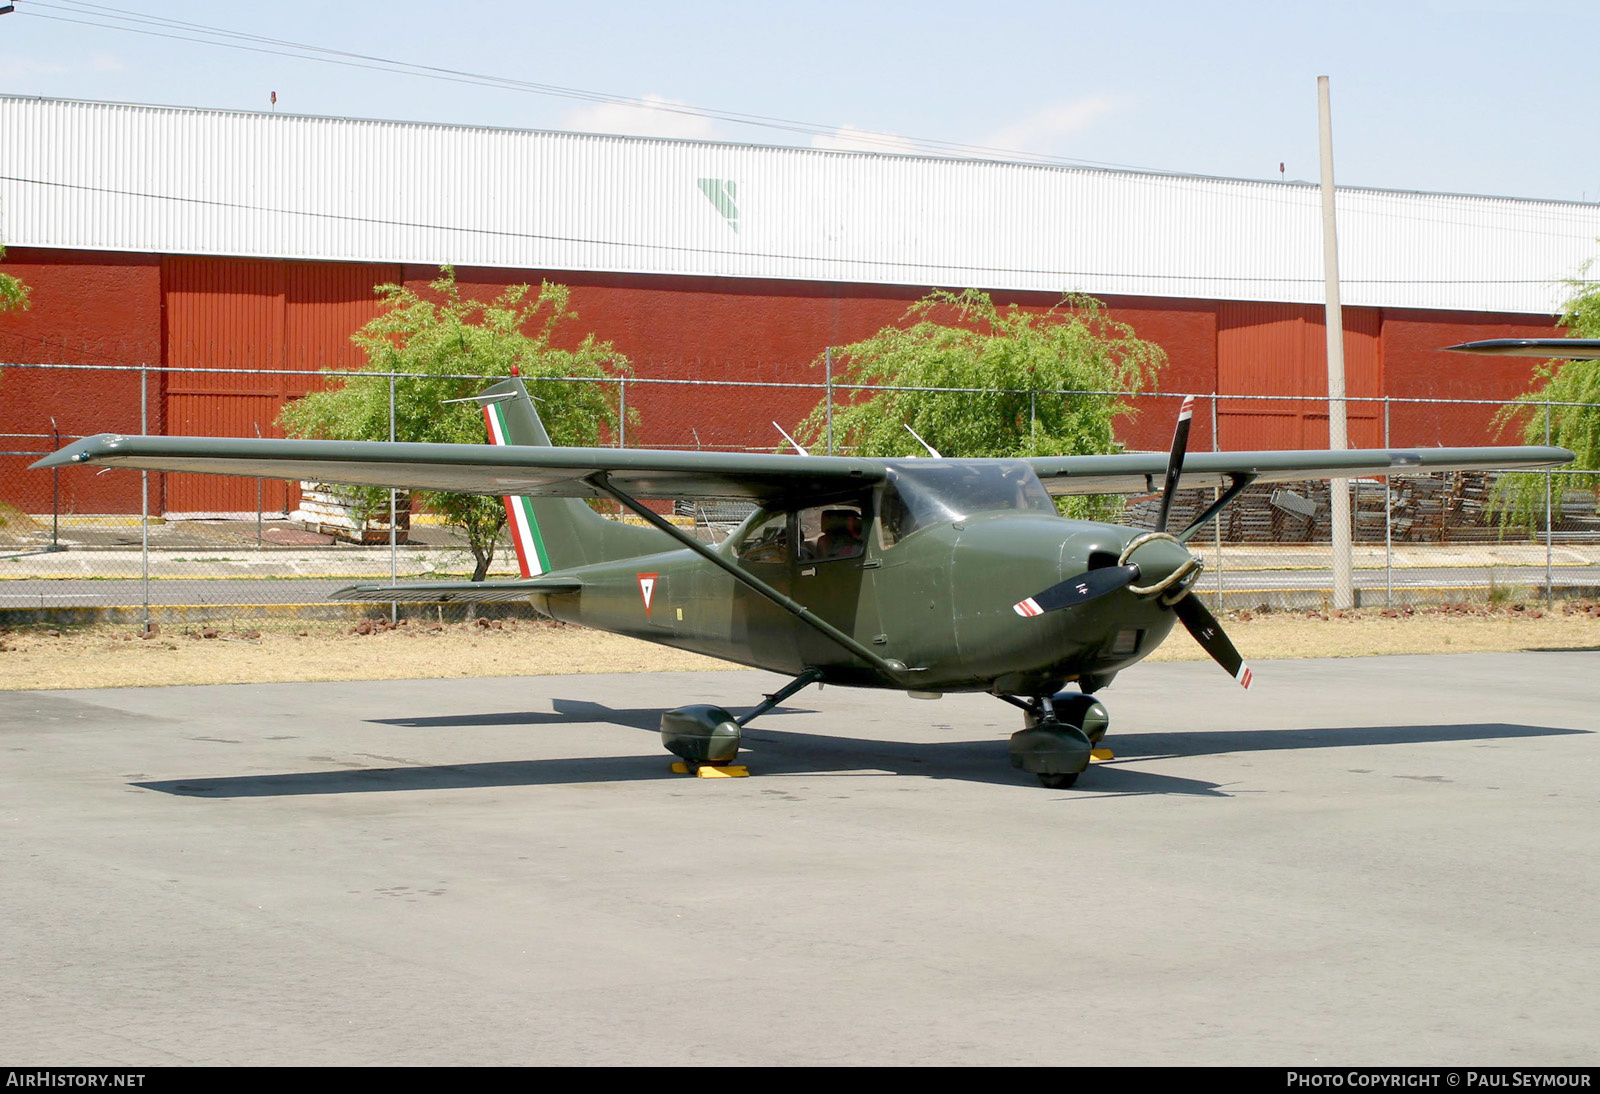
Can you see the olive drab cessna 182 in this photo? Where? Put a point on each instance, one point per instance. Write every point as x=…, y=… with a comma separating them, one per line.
x=926, y=575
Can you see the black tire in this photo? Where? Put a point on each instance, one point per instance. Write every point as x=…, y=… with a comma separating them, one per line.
x=1058, y=782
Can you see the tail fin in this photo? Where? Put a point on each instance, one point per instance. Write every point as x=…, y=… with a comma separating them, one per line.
x=554, y=533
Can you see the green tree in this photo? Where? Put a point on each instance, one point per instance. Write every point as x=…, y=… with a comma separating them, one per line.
x=442, y=338
x=13, y=293
x=1518, y=499
x=1039, y=379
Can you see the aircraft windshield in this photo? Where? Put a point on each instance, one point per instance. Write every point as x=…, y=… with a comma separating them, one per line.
x=928, y=492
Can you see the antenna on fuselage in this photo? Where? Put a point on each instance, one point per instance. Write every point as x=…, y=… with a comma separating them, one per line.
x=790, y=439
x=932, y=451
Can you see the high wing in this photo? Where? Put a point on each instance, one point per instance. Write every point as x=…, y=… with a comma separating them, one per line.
x=1142, y=472
x=1564, y=349
x=764, y=477
x=515, y=470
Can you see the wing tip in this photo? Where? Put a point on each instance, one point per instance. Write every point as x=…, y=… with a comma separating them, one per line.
x=1572, y=349
x=79, y=451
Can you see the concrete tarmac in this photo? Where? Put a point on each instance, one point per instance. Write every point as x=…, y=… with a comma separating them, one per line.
x=1378, y=860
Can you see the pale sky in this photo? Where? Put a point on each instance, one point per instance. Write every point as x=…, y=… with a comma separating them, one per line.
x=1473, y=96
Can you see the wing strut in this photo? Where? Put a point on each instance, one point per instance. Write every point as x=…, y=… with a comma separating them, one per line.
x=1236, y=484
x=893, y=669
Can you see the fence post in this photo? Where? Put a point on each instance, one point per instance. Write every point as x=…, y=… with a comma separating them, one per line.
x=622, y=414
x=144, y=497
x=1388, y=521
x=258, y=494
x=827, y=364
x=394, y=542
x=1549, y=475
x=55, y=490
x=1216, y=495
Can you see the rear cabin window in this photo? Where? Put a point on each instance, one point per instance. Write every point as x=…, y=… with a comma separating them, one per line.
x=829, y=532
x=821, y=533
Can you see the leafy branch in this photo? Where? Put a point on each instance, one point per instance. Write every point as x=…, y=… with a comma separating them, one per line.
x=440, y=336
x=1039, y=383
x=1518, y=500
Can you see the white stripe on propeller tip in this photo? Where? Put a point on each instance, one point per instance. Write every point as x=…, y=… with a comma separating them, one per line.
x=1244, y=676
x=1027, y=608
x=1187, y=410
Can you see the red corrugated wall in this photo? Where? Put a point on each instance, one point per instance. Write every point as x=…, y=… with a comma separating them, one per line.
x=716, y=329
x=107, y=308
x=88, y=309
x=234, y=313
x=1419, y=369
x=731, y=329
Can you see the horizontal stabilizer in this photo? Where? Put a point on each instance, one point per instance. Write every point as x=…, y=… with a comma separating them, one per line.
x=457, y=592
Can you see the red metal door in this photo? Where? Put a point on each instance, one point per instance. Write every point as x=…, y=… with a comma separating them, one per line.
x=1280, y=350
x=239, y=316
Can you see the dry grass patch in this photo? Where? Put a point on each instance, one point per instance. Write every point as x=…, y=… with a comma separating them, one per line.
x=117, y=656
x=1449, y=628
x=108, y=657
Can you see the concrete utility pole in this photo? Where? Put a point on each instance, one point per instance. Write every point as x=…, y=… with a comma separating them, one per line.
x=1338, y=489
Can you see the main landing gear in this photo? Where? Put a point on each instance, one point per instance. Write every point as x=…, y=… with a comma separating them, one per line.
x=1058, y=738
x=1058, y=735
x=708, y=736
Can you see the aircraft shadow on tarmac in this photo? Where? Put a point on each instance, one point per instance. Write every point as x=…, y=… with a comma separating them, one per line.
x=566, y=712
x=773, y=752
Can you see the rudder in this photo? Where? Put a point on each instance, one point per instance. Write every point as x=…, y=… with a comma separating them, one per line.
x=554, y=533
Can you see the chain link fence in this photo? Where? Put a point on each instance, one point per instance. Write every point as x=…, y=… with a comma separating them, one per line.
x=84, y=544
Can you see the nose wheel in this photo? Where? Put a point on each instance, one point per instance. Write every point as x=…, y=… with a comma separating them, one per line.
x=1058, y=736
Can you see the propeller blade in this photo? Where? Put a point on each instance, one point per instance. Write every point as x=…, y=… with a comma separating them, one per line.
x=1180, y=445
x=1208, y=632
x=1078, y=590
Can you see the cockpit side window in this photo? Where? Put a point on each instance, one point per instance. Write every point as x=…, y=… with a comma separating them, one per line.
x=895, y=521
x=764, y=539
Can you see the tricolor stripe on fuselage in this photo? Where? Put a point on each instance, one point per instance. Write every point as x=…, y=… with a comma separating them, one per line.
x=531, y=554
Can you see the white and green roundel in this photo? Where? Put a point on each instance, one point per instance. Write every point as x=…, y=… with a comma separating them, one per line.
x=531, y=553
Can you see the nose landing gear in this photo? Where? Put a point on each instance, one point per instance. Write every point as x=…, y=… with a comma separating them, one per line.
x=1058, y=736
